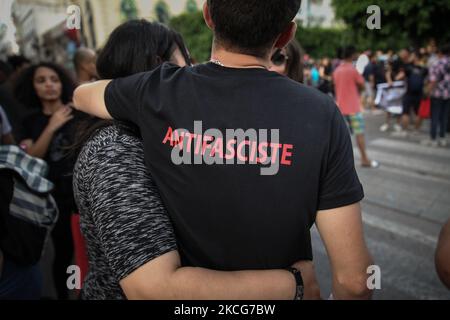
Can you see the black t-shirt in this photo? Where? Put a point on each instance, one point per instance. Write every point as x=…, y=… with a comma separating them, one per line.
x=58, y=157
x=229, y=216
x=396, y=66
x=369, y=70
x=380, y=72
x=416, y=76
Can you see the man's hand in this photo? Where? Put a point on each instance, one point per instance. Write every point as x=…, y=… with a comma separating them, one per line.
x=312, y=289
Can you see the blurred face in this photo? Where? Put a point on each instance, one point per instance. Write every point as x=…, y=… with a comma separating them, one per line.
x=178, y=58
x=91, y=68
x=47, y=84
x=89, y=64
x=431, y=48
x=279, y=61
x=404, y=55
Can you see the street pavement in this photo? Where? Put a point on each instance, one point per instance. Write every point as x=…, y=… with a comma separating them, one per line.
x=407, y=201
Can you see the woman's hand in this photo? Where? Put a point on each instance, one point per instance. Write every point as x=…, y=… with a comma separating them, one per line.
x=60, y=118
x=311, y=286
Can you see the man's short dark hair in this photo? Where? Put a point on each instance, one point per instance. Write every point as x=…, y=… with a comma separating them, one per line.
x=251, y=26
x=348, y=52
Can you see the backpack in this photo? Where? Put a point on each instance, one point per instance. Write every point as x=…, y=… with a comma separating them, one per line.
x=32, y=211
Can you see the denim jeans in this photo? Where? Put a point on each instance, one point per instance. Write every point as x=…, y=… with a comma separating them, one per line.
x=20, y=283
x=439, y=117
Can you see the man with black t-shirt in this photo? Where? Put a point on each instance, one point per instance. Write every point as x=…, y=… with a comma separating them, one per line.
x=246, y=160
x=414, y=75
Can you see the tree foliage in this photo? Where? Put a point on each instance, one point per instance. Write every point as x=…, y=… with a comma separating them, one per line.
x=196, y=34
x=317, y=42
x=128, y=9
x=162, y=12
x=191, y=6
x=402, y=21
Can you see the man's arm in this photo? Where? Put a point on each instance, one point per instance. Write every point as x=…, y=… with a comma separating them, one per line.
x=164, y=279
x=90, y=98
x=342, y=233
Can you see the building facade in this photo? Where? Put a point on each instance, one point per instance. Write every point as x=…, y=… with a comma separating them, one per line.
x=317, y=13
x=100, y=17
x=41, y=24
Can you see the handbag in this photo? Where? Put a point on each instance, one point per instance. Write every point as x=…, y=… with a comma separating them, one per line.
x=424, y=108
x=32, y=211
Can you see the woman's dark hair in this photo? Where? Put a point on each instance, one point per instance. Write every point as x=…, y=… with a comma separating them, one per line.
x=133, y=47
x=137, y=46
x=25, y=92
x=294, y=63
x=348, y=52
x=17, y=61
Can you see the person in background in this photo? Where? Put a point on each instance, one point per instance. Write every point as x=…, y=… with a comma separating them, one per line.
x=289, y=61
x=18, y=63
x=19, y=279
x=46, y=90
x=442, y=257
x=432, y=51
x=84, y=62
x=6, y=136
x=369, y=81
x=13, y=110
x=5, y=71
x=348, y=82
x=414, y=75
x=395, y=71
x=326, y=76
x=439, y=90
x=362, y=61
x=315, y=74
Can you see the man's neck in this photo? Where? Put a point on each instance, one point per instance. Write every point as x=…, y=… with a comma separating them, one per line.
x=237, y=60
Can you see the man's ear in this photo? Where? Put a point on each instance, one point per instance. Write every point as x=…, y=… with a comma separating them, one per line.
x=207, y=16
x=286, y=36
